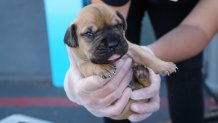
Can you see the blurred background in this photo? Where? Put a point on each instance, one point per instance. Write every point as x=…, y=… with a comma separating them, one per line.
x=33, y=62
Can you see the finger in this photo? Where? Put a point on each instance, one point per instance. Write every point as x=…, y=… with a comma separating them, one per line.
x=119, y=105
x=114, y=83
x=95, y=82
x=108, y=100
x=125, y=66
x=153, y=76
x=139, y=117
x=152, y=106
x=91, y=83
x=150, y=91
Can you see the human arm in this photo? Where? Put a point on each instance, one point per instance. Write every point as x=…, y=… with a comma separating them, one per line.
x=191, y=36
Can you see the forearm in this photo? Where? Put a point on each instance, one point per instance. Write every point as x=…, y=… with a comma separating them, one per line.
x=191, y=36
x=181, y=43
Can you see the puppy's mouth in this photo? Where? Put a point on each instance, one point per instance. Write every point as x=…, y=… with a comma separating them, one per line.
x=114, y=57
x=108, y=57
x=106, y=54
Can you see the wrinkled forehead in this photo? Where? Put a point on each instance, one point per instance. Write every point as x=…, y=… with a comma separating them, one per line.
x=96, y=17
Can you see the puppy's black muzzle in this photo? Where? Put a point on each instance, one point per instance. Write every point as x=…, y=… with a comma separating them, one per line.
x=110, y=48
x=112, y=43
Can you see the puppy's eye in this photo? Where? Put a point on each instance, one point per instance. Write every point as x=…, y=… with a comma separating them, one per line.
x=89, y=34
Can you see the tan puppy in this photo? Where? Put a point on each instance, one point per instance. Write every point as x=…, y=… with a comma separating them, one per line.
x=97, y=38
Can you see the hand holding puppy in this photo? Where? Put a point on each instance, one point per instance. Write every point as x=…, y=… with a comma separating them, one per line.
x=96, y=94
x=91, y=91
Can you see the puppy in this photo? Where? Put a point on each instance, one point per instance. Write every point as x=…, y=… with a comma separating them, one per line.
x=97, y=38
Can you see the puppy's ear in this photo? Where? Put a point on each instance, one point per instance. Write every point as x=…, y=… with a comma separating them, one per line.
x=122, y=19
x=70, y=37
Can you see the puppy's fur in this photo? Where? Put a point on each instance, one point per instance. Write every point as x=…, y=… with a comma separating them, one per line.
x=97, y=38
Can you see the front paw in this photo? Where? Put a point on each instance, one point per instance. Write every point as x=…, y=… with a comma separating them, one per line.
x=107, y=71
x=166, y=68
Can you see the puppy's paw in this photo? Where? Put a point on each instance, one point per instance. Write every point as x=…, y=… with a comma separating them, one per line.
x=166, y=68
x=107, y=71
x=141, y=73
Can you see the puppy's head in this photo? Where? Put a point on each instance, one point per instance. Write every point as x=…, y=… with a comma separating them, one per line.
x=99, y=34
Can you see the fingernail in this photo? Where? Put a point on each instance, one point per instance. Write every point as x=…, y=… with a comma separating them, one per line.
x=133, y=119
x=129, y=59
x=129, y=91
x=136, y=96
x=135, y=108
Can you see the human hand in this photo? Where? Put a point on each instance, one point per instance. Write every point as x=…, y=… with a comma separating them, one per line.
x=144, y=110
x=103, y=98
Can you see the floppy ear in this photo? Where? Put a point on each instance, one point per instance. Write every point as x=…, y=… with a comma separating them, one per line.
x=122, y=19
x=70, y=37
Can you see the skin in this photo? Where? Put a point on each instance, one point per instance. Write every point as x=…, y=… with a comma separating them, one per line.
x=191, y=36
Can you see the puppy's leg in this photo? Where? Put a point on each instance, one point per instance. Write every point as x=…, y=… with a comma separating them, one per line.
x=103, y=70
x=140, y=56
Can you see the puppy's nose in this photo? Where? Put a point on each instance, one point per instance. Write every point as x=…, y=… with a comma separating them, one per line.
x=112, y=44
